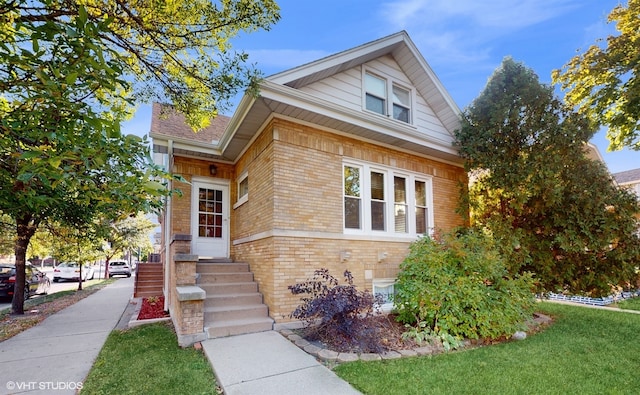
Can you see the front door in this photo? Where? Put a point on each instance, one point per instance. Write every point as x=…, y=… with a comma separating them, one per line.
x=210, y=219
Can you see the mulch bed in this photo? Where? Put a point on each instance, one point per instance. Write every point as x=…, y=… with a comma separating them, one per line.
x=152, y=307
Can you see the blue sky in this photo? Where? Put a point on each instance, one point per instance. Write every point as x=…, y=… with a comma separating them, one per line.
x=463, y=41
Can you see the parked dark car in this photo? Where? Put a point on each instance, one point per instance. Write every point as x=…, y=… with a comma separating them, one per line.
x=35, y=281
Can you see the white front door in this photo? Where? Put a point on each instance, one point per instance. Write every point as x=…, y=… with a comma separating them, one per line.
x=210, y=219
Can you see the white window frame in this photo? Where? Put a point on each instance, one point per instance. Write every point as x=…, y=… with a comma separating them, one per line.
x=244, y=198
x=365, y=200
x=388, y=100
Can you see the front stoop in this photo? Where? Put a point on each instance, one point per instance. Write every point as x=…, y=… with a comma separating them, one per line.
x=233, y=305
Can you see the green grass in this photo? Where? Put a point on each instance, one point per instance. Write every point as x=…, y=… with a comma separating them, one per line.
x=585, y=351
x=148, y=360
x=88, y=287
x=630, y=304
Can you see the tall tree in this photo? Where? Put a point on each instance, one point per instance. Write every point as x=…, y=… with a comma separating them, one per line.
x=70, y=72
x=128, y=234
x=554, y=211
x=604, y=81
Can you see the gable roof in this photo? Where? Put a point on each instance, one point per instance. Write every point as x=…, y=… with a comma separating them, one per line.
x=281, y=96
x=627, y=177
x=406, y=54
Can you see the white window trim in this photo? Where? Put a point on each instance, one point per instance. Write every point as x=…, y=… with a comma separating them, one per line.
x=383, y=283
x=365, y=196
x=244, y=198
x=391, y=82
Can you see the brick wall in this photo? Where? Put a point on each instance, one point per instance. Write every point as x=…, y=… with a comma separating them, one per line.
x=292, y=223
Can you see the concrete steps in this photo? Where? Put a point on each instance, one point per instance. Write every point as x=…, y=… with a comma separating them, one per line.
x=233, y=305
x=149, y=280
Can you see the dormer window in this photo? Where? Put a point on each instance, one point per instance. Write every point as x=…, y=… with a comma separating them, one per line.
x=378, y=100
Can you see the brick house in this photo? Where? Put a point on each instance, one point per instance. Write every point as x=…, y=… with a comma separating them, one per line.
x=340, y=163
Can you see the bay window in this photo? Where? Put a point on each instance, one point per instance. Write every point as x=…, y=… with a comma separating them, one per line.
x=385, y=201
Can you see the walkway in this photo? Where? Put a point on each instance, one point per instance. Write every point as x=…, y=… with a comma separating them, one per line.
x=266, y=363
x=56, y=355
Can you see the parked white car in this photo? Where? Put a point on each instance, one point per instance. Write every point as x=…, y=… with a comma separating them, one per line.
x=119, y=268
x=71, y=271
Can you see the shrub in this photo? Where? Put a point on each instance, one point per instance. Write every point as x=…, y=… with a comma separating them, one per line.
x=460, y=287
x=338, y=315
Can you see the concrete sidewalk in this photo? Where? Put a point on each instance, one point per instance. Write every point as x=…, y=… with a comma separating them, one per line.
x=266, y=363
x=56, y=355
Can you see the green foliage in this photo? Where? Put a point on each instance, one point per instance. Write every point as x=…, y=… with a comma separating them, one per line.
x=421, y=333
x=604, y=81
x=338, y=315
x=527, y=153
x=71, y=72
x=460, y=287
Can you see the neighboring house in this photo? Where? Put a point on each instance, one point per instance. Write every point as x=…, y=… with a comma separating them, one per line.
x=340, y=163
x=629, y=179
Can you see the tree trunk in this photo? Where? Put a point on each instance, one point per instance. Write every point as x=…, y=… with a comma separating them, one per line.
x=80, y=277
x=25, y=230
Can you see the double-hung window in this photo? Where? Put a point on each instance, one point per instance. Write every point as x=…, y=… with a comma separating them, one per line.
x=385, y=201
x=243, y=190
x=386, y=97
x=352, y=198
x=376, y=94
x=422, y=220
x=378, y=203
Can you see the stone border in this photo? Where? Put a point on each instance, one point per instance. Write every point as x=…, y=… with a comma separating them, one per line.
x=330, y=356
x=134, y=321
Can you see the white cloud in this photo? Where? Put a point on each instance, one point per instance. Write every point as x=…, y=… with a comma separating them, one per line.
x=463, y=31
x=504, y=14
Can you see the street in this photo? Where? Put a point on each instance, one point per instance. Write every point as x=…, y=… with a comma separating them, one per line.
x=59, y=286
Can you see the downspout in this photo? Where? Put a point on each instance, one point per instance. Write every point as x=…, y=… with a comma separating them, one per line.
x=167, y=230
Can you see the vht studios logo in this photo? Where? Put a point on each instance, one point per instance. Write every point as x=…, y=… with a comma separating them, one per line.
x=43, y=385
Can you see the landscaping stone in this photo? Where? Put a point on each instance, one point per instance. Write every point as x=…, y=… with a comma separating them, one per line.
x=311, y=349
x=390, y=355
x=302, y=343
x=426, y=350
x=328, y=355
x=287, y=332
x=519, y=335
x=370, y=357
x=408, y=353
x=347, y=357
x=294, y=337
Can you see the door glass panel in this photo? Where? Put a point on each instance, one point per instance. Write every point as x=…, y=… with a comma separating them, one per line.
x=210, y=213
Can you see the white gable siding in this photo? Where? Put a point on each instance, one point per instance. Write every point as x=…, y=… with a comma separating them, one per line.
x=345, y=89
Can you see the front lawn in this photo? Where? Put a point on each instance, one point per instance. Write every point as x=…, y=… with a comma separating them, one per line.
x=585, y=351
x=148, y=360
x=630, y=304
